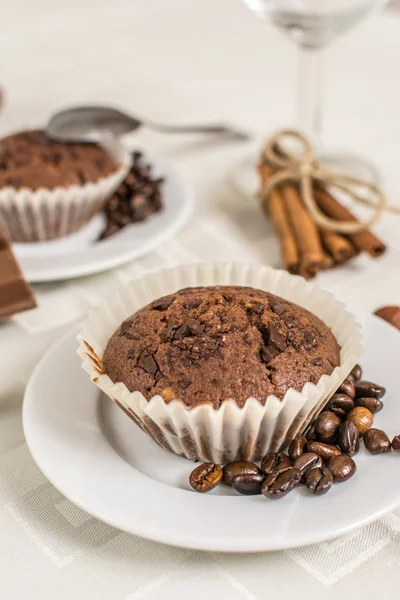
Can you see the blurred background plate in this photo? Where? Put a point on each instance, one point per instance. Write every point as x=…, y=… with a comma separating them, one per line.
x=81, y=254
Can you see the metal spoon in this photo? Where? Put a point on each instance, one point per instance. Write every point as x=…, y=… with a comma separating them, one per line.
x=89, y=123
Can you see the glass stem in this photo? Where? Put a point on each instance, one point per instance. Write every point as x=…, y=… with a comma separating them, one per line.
x=309, y=93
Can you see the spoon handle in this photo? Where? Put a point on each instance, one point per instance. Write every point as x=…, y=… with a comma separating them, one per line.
x=216, y=129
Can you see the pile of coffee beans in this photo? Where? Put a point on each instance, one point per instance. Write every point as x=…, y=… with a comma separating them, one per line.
x=138, y=197
x=317, y=459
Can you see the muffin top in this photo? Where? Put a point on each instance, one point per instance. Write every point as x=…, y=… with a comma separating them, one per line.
x=220, y=343
x=31, y=159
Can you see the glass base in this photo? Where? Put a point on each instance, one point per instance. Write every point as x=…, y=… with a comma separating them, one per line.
x=245, y=180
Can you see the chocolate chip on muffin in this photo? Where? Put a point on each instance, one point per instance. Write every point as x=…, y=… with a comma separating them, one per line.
x=219, y=343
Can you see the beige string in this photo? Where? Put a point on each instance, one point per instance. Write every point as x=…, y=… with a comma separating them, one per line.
x=305, y=169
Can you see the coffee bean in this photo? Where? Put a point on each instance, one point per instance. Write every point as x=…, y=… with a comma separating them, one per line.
x=163, y=303
x=205, y=477
x=296, y=447
x=348, y=438
x=311, y=433
x=347, y=387
x=340, y=404
x=376, y=441
x=325, y=451
x=282, y=484
x=367, y=389
x=373, y=404
x=238, y=467
x=248, y=484
x=319, y=480
x=362, y=419
x=307, y=461
x=356, y=373
x=391, y=314
x=137, y=197
x=342, y=467
x=396, y=443
x=275, y=462
x=326, y=426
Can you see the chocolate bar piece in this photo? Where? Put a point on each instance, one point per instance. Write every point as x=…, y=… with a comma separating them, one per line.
x=15, y=293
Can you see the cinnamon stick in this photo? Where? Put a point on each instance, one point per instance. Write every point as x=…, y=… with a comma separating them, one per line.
x=339, y=247
x=277, y=212
x=364, y=241
x=313, y=258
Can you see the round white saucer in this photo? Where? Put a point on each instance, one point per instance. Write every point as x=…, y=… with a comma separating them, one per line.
x=81, y=254
x=103, y=462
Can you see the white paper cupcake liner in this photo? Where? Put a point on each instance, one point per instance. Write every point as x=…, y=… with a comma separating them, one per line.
x=229, y=432
x=34, y=216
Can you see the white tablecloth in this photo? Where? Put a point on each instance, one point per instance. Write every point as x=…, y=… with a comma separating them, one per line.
x=178, y=60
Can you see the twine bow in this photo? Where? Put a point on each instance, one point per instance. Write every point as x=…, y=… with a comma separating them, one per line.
x=306, y=170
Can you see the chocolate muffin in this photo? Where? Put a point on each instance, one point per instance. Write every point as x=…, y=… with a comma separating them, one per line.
x=49, y=189
x=220, y=343
x=31, y=159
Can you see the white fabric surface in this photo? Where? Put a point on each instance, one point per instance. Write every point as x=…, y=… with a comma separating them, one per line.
x=178, y=60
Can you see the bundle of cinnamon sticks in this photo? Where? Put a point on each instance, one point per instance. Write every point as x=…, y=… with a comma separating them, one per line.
x=307, y=248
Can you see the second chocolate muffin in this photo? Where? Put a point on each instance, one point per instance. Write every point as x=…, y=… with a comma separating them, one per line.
x=30, y=159
x=220, y=343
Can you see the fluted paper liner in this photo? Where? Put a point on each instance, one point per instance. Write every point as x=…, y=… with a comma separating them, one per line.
x=34, y=216
x=229, y=432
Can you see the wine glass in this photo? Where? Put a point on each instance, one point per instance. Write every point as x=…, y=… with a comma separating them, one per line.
x=312, y=25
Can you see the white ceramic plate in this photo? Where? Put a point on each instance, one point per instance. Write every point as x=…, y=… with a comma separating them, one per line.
x=81, y=254
x=98, y=458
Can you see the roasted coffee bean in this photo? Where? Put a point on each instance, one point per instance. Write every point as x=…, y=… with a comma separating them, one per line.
x=326, y=426
x=248, y=484
x=373, y=404
x=282, y=484
x=362, y=418
x=270, y=478
x=325, y=451
x=297, y=446
x=319, y=480
x=307, y=461
x=342, y=467
x=275, y=462
x=340, y=404
x=366, y=389
x=376, y=441
x=391, y=314
x=137, y=197
x=205, y=477
x=311, y=434
x=348, y=438
x=356, y=373
x=238, y=467
x=347, y=387
x=396, y=443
